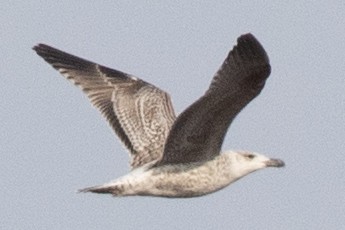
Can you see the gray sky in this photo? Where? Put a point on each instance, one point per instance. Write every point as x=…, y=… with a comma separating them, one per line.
x=53, y=142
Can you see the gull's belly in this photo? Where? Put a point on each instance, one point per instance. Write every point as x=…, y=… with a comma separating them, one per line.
x=183, y=180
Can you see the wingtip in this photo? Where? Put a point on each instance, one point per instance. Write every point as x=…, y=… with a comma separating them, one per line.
x=39, y=48
x=42, y=48
x=252, y=44
x=248, y=37
x=36, y=47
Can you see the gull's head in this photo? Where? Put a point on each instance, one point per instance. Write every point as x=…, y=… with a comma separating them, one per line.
x=244, y=162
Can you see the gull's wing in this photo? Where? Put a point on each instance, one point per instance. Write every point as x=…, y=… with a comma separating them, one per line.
x=198, y=132
x=140, y=113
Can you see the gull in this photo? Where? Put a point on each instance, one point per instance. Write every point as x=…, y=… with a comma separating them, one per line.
x=173, y=156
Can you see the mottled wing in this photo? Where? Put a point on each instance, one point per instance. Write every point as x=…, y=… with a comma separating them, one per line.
x=198, y=133
x=140, y=113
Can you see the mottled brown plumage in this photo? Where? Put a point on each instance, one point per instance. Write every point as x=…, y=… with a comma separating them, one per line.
x=173, y=157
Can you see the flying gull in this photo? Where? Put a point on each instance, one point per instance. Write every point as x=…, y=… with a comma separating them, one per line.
x=173, y=156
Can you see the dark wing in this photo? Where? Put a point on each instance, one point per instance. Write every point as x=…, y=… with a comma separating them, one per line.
x=198, y=133
x=140, y=113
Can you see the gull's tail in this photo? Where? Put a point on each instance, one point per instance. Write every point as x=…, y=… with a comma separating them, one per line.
x=115, y=190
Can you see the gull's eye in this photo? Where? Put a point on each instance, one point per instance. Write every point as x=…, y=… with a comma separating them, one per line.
x=249, y=156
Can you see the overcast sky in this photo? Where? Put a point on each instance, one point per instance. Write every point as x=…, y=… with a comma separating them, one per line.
x=53, y=142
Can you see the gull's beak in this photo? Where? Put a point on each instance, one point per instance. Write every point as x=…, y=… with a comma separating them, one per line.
x=275, y=163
